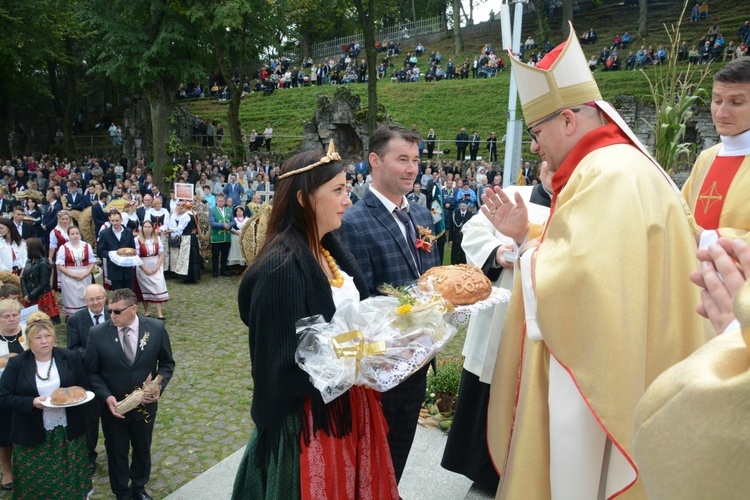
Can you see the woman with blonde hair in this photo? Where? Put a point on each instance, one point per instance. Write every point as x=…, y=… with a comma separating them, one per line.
x=11, y=344
x=50, y=456
x=151, y=285
x=75, y=263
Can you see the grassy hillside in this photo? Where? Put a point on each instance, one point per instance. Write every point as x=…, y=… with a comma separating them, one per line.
x=478, y=104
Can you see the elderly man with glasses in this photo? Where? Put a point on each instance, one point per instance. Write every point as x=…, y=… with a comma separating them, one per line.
x=78, y=327
x=121, y=354
x=604, y=303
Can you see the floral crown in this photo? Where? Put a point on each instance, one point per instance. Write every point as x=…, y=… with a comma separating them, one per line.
x=330, y=156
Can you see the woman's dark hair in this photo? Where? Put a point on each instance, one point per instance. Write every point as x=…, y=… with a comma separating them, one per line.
x=287, y=213
x=12, y=231
x=36, y=203
x=35, y=248
x=239, y=207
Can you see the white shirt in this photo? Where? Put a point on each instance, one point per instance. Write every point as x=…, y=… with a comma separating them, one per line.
x=391, y=207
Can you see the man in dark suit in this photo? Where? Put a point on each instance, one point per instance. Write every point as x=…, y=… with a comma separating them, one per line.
x=98, y=213
x=460, y=217
x=90, y=197
x=49, y=217
x=77, y=327
x=155, y=192
x=112, y=239
x=6, y=206
x=121, y=353
x=141, y=211
x=381, y=232
x=74, y=198
x=462, y=140
x=25, y=229
x=474, y=142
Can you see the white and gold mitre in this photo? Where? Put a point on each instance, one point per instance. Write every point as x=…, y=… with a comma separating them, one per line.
x=562, y=79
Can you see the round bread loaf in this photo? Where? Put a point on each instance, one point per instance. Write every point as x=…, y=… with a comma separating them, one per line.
x=127, y=252
x=460, y=284
x=67, y=395
x=4, y=359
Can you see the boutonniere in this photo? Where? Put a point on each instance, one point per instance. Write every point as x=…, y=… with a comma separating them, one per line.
x=426, y=238
x=144, y=340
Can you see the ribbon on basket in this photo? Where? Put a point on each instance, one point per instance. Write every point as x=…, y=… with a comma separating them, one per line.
x=358, y=350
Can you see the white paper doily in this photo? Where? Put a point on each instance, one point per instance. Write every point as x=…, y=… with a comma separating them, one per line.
x=129, y=261
x=463, y=314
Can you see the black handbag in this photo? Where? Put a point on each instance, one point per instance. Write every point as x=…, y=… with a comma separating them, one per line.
x=175, y=242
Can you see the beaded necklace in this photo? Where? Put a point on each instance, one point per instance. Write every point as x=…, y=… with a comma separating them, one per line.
x=49, y=369
x=338, y=279
x=5, y=339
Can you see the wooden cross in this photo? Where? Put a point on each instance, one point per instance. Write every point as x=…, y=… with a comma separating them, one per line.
x=265, y=194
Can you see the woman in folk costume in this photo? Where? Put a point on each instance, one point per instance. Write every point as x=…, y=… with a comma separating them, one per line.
x=12, y=248
x=151, y=285
x=235, y=252
x=302, y=447
x=57, y=238
x=75, y=264
x=185, y=259
x=161, y=219
x=604, y=302
x=11, y=344
x=129, y=217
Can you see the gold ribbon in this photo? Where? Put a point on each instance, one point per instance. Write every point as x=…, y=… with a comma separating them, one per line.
x=358, y=350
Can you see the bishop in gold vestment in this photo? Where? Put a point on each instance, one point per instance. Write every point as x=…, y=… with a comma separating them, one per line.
x=609, y=305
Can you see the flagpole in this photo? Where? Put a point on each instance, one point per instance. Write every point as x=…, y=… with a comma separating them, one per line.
x=514, y=131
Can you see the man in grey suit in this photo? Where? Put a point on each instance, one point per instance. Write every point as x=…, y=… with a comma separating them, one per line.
x=78, y=326
x=121, y=353
x=381, y=232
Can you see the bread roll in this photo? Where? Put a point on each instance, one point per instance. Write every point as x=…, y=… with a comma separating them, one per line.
x=127, y=252
x=460, y=284
x=68, y=395
x=4, y=359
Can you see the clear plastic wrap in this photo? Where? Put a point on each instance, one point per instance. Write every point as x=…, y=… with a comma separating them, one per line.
x=378, y=343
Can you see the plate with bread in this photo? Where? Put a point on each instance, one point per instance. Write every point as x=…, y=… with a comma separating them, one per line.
x=65, y=397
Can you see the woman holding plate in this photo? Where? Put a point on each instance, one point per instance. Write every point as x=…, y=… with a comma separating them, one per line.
x=11, y=344
x=50, y=456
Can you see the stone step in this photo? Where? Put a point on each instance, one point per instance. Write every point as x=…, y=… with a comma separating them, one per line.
x=423, y=478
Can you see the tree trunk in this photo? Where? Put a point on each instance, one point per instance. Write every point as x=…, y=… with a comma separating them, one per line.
x=458, y=42
x=233, y=112
x=567, y=18
x=368, y=29
x=54, y=89
x=4, y=113
x=70, y=108
x=160, y=100
x=305, y=43
x=542, y=25
x=643, y=18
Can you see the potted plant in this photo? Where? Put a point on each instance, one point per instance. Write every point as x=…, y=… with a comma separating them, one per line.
x=442, y=387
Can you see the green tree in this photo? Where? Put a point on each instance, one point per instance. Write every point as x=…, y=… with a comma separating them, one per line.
x=150, y=47
x=30, y=49
x=238, y=31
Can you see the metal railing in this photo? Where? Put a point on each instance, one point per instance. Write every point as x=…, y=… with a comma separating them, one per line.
x=397, y=33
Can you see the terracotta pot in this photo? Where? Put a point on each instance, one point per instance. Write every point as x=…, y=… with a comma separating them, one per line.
x=445, y=402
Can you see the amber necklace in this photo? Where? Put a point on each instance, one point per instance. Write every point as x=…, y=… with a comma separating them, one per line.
x=337, y=280
x=49, y=370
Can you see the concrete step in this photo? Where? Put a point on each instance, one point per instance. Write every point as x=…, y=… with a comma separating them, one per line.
x=423, y=478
